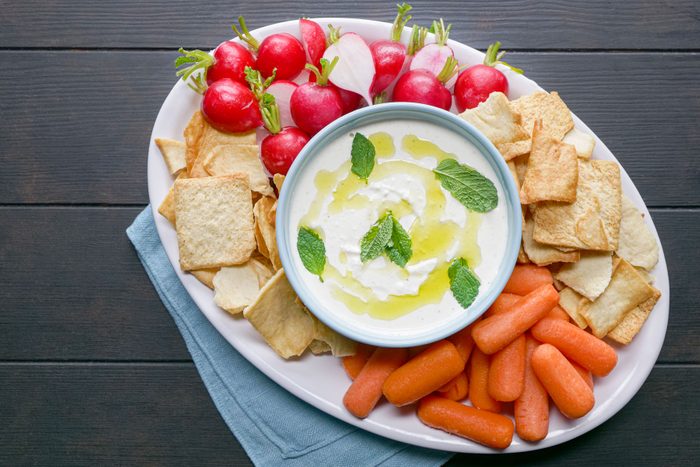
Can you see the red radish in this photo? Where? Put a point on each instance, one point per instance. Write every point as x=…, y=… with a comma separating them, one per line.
x=282, y=91
x=228, y=60
x=476, y=83
x=432, y=57
x=279, y=149
x=355, y=69
x=281, y=51
x=415, y=43
x=230, y=106
x=313, y=39
x=315, y=105
x=351, y=100
x=390, y=54
x=424, y=87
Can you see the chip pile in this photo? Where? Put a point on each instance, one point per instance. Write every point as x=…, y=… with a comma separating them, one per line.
x=576, y=220
x=223, y=208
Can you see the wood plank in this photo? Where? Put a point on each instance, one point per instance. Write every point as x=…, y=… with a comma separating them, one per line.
x=69, y=414
x=594, y=24
x=76, y=290
x=81, y=134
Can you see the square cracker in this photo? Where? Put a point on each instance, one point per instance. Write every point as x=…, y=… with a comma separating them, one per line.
x=543, y=255
x=633, y=321
x=210, y=139
x=214, y=221
x=592, y=222
x=627, y=289
x=227, y=159
x=173, y=153
x=552, y=170
x=497, y=120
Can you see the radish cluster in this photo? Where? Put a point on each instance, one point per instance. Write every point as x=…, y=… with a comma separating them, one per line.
x=294, y=87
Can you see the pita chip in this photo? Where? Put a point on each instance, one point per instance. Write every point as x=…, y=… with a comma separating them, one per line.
x=590, y=275
x=173, y=154
x=637, y=244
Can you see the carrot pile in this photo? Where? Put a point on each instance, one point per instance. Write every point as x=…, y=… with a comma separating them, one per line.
x=522, y=351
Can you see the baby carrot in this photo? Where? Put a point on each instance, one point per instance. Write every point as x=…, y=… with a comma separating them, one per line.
x=497, y=331
x=364, y=393
x=479, y=381
x=353, y=364
x=585, y=374
x=558, y=313
x=426, y=372
x=463, y=341
x=507, y=371
x=531, y=409
x=487, y=428
x=526, y=278
x=583, y=348
x=457, y=389
x=565, y=386
x=503, y=302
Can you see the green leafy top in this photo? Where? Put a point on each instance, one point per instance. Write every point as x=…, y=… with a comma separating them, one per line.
x=467, y=185
x=493, y=57
x=402, y=17
x=312, y=251
x=387, y=235
x=362, y=155
x=188, y=63
x=463, y=282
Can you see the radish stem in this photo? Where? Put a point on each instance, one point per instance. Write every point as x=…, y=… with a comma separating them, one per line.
x=326, y=68
x=256, y=83
x=417, y=40
x=270, y=113
x=493, y=57
x=401, y=19
x=245, y=35
x=197, y=60
x=441, y=33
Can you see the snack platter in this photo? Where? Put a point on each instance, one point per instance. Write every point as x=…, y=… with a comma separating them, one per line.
x=321, y=380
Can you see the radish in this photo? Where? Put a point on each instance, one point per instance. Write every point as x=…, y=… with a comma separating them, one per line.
x=355, y=66
x=432, y=57
x=313, y=39
x=228, y=60
x=351, y=100
x=424, y=87
x=230, y=106
x=415, y=43
x=279, y=149
x=282, y=91
x=280, y=51
x=315, y=104
x=389, y=55
x=476, y=83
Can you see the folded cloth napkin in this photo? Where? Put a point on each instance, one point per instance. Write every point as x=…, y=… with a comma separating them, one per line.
x=272, y=425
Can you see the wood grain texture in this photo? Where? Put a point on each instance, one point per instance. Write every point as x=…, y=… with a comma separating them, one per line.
x=597, y=24
x=160, y=414
x=76, y=290
x=80, y=133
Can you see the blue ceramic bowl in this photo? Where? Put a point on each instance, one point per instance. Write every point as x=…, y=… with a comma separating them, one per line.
x=430, y=332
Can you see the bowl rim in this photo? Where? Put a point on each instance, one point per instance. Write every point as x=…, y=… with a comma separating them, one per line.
x=410, y=111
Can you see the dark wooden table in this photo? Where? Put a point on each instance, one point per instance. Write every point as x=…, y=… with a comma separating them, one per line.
x=92, y=368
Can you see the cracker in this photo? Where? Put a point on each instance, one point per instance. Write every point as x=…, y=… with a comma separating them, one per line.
x=337, y=344
x=633, y=321
x=592, y=222
x=572, y=303
x=236, y=287
x=543, y=255
x=211, y=138
x=318, y=347
x=583, y=142
x=265, y=230
x=214, y=221
x=278, y=180
x=167, y=207
x=496, y=120
x=227, y=159
x=193, y=134
x=173, y=154
x=637, y=244
x=626, y=290
x=283, y=322
x=552, y=170
x=548, y=107
x=205, y=276
x=589, y=276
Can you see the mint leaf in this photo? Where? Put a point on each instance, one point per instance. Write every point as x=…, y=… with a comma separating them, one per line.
x=468, y=186
x=377, y=238
x=312, y=251
x=362, y=156
x=399, y=247
x=463, y=282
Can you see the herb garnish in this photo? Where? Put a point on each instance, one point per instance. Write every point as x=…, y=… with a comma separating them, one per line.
x=467, y=185
x=362, y=156
x=387, y=235
x=463, y=282
x=312, y=251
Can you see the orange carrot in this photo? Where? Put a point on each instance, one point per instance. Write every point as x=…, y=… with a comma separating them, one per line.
x=583, y=348
x=531, y=409
x=479, y=381
x=483, y=427
x=585, y=374
x=457, y=389
x=507, y=371
x=558, y=313
x=463, y=341
x=495, y=332
x=364, y=393
x=526, y=278
x=565, y=386
x=423, y=374
x=503, y=303
x=353, y=364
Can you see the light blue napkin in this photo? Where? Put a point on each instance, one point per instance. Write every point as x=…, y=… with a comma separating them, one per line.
x=272, y=425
